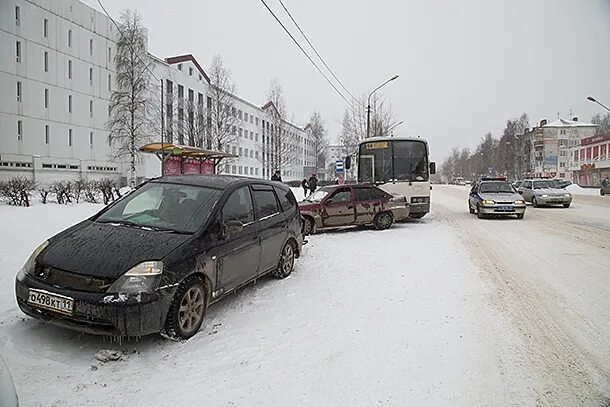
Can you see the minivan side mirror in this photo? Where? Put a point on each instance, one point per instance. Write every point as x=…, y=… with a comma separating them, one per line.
x=432, y=168
x=348, y=162
x=231, y=227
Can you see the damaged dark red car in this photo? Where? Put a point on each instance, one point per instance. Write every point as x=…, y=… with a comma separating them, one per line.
x=154, y=260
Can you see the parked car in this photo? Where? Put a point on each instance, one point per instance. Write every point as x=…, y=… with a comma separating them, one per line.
x=154, y=260
x=8, y=394
x=359, y=204
x=495, y=196
x=544, y=192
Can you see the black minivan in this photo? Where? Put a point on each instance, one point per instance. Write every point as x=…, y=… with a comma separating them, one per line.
x=154, y=260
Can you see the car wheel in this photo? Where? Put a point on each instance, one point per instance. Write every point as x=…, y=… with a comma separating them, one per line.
x=472, y=211
x=187, y=309
x=286, y=263
x=534, y=202
x=519, y=216
x=601, y=191
x=308, y=226
x=479, y=213
x=383, y=220
x=566, y=205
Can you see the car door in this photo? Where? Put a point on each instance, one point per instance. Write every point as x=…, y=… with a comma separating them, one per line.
x=238, y=252
x=338, y=208
x=272, y=225
x=367, y=205
x=527, y=191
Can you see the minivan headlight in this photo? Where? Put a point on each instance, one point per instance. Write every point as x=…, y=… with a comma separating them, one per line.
x=30, y=264
x=142, y=278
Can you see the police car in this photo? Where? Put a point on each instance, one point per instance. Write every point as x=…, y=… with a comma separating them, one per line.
x=495, y=196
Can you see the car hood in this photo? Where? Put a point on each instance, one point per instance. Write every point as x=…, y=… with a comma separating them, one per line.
x=550, y=191
x=107, y=250
x=503, y=197
x=309, y=206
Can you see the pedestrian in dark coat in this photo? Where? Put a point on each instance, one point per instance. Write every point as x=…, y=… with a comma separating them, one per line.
x=305, y=186
x=313, y=183
x=277, y=176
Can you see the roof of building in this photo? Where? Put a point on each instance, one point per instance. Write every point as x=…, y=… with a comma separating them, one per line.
x=568, y=123
x=188, y=57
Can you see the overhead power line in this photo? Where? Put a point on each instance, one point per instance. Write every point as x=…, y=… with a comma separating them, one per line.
x=307, y=55
x=316, y=51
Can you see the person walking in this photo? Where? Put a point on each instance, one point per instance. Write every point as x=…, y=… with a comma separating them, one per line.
x=305, y=186
x=277, y=176
x=313, y=183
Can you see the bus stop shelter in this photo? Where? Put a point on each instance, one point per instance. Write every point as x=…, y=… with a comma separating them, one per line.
x=179, y=159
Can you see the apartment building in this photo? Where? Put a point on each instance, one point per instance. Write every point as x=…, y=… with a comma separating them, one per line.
x=56, y=78
x=57, y=74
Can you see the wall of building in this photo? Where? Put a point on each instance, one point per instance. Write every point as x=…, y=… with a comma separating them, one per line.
x=59, y=54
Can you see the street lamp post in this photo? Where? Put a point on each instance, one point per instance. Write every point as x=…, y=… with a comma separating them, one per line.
x=592, y=99
x=368, y=107
x=394, y=126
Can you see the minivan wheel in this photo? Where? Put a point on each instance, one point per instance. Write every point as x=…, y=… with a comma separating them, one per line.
x=187, y=309
x=383, y=221
x=286, y=263
x=534, y=202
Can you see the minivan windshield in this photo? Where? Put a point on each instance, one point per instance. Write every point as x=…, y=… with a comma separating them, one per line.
x=164, y=206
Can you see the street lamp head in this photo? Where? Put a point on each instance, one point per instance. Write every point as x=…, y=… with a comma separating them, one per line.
x=394, y=77
x=591, y=98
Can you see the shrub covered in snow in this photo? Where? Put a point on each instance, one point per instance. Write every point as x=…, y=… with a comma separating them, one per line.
x=17, y=191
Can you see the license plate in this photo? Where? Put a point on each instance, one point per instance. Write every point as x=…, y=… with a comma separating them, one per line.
x=505, y=208
x=54, y=302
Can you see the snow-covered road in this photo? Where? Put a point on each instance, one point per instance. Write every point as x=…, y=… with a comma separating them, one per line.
x=450, y=310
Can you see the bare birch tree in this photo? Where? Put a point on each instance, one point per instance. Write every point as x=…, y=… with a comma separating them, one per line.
x=317, y=130
x=130, y=100
x=280, y=140
x=381, y=118
x=221, y=112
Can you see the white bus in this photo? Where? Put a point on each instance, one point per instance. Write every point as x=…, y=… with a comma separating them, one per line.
x=398, y=165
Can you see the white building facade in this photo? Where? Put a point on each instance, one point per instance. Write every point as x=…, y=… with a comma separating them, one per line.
x=56, y=78
x=57, y=74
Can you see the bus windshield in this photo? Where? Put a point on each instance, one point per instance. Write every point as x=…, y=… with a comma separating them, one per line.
x=399, y=160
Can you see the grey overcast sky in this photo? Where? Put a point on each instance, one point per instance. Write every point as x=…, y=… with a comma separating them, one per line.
x=465, y=66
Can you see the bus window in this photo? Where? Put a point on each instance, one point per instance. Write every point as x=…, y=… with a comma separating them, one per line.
x=366, y=168
x=410, y=161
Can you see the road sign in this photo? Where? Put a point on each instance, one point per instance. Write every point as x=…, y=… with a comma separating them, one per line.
x=339, y=167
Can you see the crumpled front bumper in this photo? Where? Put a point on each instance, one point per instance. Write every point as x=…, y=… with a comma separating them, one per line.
x=101, y=313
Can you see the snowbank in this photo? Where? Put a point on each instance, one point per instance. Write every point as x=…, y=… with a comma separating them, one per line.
x=578, y=190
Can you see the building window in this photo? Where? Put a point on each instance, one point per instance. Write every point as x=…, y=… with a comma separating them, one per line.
x=45, y=28
x=180, y=92
x=199, y=76
x=251, y=134
x=46, y=134
x=240, y=114
x=109, y=83
x=251, y=153
x=256, y=137
x=245, y=116
x=70, y=137
x=46, y=61
x=69, y=69
x=18, y=51
x=234, y=150
x=110, y=53
x=240, y=132
x=46, y=98
x=241, y=151
x=233, y=168
x=209, y=102
x=257, y=121
x=246, y=152
x=200, y=99
x=256, y=156
x=91, y=76
x=179, y=67
x=241, y=170
x=70, y=38
x=91, y=108
x=256, y=171
x=19, y=129
x=69, y=103
x=91, y=46
x=251, y=171
x=191, y=95
x=190, y=71
x=91, y=140
x=18, y=91
x=17, y=16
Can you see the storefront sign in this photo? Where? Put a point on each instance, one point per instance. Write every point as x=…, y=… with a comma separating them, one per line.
x=207, y=168
x=595, y=139
x=172, y=165
x=191, y=166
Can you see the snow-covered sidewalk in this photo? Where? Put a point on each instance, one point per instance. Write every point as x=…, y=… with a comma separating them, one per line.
x=398, y=317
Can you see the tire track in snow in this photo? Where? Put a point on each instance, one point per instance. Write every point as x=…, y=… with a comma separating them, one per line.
x=568, y=374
